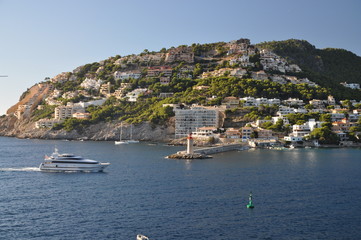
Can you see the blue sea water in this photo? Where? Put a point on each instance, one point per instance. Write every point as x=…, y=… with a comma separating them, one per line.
x=298, y=194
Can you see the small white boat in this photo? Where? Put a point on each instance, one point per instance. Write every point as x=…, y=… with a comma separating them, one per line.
x=131, y=140
x=121, y=142
x=120, y=137
x=69, y=162
x=142, y=237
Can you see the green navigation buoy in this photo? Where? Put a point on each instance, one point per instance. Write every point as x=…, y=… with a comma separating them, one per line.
x=250, y=204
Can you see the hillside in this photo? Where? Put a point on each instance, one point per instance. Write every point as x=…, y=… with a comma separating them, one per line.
x=328, y=67
x=141, y=88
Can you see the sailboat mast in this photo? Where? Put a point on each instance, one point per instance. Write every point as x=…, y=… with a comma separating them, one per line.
x=121, y=131
x=131, y=131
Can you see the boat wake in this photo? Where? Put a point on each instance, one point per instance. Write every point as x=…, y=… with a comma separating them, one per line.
x=23, y=169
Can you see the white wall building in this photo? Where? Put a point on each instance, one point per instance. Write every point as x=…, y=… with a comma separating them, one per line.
x=283, y=110
x=188, y=120
x=97, y=102
x=336, y=117
x=284, y=119
x=251, y=101
x=293, y=101
x=47, y=123
x=351, y=85
x=127, y=75
x=90, y=83
x=133, y=95
x=293, y=138
x=64, y=112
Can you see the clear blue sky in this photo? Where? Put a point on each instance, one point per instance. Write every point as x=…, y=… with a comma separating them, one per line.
x=42, y=38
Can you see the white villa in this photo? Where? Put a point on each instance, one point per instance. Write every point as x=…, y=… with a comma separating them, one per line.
x=127, y=75
x=90, y=83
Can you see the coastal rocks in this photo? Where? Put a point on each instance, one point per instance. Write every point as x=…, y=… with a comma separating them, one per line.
x=105, y=131
x=183, y=155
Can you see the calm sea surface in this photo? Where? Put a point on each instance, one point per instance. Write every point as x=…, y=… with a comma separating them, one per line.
x=298, y=194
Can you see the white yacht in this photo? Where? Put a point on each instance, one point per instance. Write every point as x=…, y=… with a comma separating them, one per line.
x=69, y=162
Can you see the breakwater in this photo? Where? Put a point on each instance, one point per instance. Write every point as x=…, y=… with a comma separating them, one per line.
x=219, y=149
x=201, y=153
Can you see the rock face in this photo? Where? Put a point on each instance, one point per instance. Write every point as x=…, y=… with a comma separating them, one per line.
x=9, y=126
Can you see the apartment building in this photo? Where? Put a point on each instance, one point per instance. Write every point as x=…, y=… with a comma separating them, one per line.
x=188, y=120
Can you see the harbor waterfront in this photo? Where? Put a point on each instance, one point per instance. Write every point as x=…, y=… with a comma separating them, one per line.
x=297, y=193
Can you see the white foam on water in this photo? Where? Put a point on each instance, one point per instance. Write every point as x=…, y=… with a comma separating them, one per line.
x=23, y=169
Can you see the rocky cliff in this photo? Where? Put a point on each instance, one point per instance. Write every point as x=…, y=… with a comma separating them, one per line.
x=106, y=131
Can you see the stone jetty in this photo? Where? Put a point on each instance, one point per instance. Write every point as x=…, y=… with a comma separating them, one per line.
x=202, y=153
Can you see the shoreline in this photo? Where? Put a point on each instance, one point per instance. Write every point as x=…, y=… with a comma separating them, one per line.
x=170, y=142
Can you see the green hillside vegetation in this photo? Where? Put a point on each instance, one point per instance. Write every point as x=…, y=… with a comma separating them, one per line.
x=150, y=107
x=327, y=67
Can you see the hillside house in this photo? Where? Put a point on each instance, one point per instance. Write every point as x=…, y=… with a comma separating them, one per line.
x=246, y=133
x=264, y=133
x=120, y=92
x=204, y=132
x=317, y=103
x=164, y=80
x=291, y=138
x=337, y=117
x=283, y=118
x=133, y=95
x=232, y=133
x=22, y=110
x=185, y=72
x=306, y=128
x=81, y=115
x=127, y=75
x=238, y=46
x=217, y=73
x=278, y=79
x=166, y=71
x=181, y=54
x=69, y=95
x=331, y=100
x=105, y=89
x=300, y=110
x=353, y=117
x=230, y=102
x=351, y=85
x=293, y=102
x=61, y=78
x=47, y=123
x=90, y=83
x=260, y=75
x=284, y=110
x=343, y=125
x=242, y=59
x=64, y=112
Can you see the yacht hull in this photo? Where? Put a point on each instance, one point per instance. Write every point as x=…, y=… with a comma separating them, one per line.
x=64, y=167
